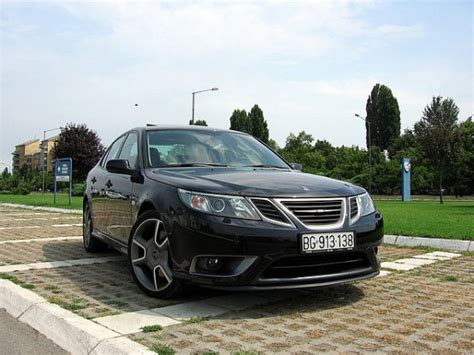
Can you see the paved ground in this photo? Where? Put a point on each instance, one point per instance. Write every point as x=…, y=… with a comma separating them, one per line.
x=426, y=309
x=17, y=338
x=429, y=310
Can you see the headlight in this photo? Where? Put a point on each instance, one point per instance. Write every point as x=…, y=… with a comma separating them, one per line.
x=219, y=205
x=366, y=205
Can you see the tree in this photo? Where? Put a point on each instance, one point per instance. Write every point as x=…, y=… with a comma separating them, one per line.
x=198, y=123
x=437, y=136
x=273, y=144
x=83, y=145
x=239, y=121
x=383, y=114
x=464, y=171
x=259, y=125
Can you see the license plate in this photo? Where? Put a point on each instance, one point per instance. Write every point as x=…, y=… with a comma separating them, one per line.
x=327, y=241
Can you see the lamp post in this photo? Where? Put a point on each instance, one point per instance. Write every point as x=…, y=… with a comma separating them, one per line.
x=369, y=146
x=197, y=92
x=44, y=156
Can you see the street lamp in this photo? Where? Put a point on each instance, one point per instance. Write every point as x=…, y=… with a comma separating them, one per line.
x=197, y=92
x=369, y=146
x=44, y=156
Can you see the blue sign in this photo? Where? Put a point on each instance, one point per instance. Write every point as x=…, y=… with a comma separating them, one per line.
x=63, y=170
x=63, y=173
x=406, y=185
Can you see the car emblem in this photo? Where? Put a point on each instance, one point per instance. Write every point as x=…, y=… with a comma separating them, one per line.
x=304, y=188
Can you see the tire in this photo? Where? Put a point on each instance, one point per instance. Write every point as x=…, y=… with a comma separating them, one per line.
x=149, y=257
x=91, y=244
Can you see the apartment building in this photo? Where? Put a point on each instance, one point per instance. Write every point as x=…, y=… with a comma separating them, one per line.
x=33, y=154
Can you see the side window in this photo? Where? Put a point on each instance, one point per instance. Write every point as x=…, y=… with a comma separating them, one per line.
x=130, y=149
x=114, y=150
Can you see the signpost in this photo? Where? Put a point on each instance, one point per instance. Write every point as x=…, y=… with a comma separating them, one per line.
x=63, y=173
x=406, y=170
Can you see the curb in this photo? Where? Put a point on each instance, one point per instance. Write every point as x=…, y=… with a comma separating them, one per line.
x=450, y=244
x=40, y=208
x=73, y=333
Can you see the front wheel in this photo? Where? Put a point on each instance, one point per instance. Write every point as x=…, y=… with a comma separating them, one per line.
x=150, y=259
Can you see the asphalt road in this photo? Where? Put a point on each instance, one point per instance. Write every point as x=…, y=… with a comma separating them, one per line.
x=19, y=338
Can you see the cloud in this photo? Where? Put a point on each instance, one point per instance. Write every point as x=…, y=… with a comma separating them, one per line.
x=309, y=65
x=415, y=30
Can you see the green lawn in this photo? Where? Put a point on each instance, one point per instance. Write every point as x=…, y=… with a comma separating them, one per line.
x=451, y=220
x=38, y=199
x=424, y=197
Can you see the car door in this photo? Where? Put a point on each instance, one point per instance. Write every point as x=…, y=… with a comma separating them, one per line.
x=97, y=179
x=119, y=189
x=102, y=216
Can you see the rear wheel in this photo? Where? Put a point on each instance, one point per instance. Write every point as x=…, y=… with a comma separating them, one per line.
x=150, y=258
x=91, y=244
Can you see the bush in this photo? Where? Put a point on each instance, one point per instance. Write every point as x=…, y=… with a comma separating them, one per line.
x=23, y=188
x=78, y=189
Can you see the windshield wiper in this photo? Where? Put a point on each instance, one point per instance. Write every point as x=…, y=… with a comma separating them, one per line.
x=184, y=165
x=265, y=166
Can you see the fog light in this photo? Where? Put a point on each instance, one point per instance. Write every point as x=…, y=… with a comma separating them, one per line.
x=213, y=263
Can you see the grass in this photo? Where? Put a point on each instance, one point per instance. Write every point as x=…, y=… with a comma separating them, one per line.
x=75, y=305
x=449, y=278
x=151, y=328
x=162, y=349
x=448, y=198
x=46, y=200
x=194, y=320
x=17, y=281
x=453, y=220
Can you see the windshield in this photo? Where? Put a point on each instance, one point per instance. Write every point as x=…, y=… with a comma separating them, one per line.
x=178, y=148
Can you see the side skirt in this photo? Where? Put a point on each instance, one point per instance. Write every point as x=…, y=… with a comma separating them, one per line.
x=113, y=243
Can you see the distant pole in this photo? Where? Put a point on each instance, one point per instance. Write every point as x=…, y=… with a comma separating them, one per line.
x=44, y=156
x=368, y=148
x=197, y=92
x=192, y=116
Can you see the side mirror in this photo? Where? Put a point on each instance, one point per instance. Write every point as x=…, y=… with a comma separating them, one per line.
x=296, y=166
x=119, y=166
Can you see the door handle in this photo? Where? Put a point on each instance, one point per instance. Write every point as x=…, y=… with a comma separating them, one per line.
x=109, y=184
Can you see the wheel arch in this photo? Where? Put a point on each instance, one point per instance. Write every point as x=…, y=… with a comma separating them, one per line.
x=146, y=205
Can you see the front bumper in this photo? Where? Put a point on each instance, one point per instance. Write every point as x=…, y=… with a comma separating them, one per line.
x=267, y=256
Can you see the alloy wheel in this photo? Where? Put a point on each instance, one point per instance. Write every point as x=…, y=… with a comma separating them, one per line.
x=149, y=252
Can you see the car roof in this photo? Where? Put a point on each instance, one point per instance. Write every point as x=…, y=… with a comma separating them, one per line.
x=151, y=127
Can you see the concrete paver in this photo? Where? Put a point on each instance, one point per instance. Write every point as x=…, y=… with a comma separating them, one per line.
x=188, y=310
x=425, y=305
x=415, y=311
x=415, y=261
x=391, y=265
x=132, y=322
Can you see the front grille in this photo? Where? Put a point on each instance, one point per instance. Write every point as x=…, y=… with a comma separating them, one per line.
x=318, y=264
x=268, y=210
x=354, y=207
x=316, y=212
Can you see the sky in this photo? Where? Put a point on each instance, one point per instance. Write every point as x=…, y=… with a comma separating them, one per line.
x=310, y=65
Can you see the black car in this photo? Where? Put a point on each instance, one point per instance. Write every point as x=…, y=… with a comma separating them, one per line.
x=220, y=209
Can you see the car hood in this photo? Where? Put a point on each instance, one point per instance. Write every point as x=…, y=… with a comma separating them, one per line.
x=253, y=182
